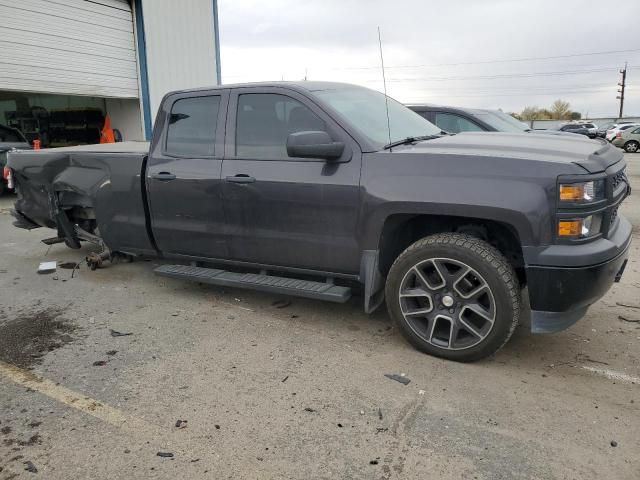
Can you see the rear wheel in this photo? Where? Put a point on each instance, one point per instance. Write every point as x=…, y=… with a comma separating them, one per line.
x=454, y=296
x=631, y=147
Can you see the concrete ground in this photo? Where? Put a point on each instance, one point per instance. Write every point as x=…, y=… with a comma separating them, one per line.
x=235, y=386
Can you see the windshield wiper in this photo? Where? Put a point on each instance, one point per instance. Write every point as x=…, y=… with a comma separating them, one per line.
x=408, y=140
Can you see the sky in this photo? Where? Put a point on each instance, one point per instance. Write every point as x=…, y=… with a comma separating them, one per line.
x=470, y=53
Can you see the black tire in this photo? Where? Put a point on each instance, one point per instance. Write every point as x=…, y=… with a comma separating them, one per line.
x=485, y=264
x=3, y=187
x=631, y=146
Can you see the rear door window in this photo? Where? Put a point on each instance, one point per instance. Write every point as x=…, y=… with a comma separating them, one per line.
x=192, y=127
x=450, y=122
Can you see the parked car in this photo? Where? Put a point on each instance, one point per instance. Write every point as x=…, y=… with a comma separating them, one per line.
x=613, y=132
x=628, y=139
x=456, y=120
x=307, y=188
x=587, y=129
x=10, y=139
x=602, y=129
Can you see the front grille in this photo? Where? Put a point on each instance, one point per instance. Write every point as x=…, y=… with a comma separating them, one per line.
x=614, y=216
x=618, y=178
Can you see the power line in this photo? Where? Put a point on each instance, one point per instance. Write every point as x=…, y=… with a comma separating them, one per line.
x=508, y=60
x=506, y=75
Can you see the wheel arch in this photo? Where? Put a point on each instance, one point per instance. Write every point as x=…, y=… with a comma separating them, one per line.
x=401, y=230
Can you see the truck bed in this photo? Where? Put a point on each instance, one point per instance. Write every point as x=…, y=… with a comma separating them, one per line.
x=99, y=187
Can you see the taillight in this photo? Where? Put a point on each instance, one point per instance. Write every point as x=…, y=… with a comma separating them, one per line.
x=619, y=135
x=8, y=176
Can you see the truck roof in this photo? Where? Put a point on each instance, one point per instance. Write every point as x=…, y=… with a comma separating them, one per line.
x=311, y=86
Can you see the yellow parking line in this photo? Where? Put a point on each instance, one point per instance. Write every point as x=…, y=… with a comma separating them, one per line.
x=78, y=401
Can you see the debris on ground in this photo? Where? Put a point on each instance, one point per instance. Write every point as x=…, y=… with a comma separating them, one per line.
x=111, y=353
x=630, y=320
x=282, y=303
x=30, y=467
x=309, y=409
x=115, y=333
x=380, y=413
x=381, y=429
x=285, y=379
x=614, y=443
x=181, y=423
x=165, y=454
x=47, y=267
x=398, y=378
x=69, y=265
x=374, y=462
x=99, y=363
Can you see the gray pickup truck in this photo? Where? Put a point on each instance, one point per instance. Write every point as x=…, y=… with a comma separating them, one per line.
x=314, y=189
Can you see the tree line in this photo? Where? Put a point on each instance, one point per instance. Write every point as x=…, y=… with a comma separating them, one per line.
x=559, y=110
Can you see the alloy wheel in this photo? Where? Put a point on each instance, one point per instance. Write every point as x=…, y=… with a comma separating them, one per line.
x=447, y=303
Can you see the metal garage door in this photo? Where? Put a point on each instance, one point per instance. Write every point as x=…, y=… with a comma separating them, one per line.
x=81, y=47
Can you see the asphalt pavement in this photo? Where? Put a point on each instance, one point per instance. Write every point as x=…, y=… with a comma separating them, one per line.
x=120, y=374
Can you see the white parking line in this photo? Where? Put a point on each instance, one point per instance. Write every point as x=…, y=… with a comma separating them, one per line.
x=79, y=401
x=613, y=375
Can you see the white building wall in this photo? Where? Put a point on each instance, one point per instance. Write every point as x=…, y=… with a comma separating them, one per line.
x=181, y=46
x=125, y=116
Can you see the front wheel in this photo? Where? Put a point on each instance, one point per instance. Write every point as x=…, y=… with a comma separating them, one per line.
x=631, y=147
x=454, y=296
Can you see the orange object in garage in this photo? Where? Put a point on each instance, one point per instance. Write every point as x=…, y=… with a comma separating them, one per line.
x=107, y=135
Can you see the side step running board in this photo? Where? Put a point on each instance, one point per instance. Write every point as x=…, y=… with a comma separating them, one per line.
x=254, y=281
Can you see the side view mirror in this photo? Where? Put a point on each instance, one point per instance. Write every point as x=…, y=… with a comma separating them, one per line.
x=313, y=145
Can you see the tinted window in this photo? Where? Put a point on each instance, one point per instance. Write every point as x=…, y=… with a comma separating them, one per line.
x=624, y=127
x=589, y=125
x=453, y=123
x=571, y=127
x=192, y=126
x=637, y=130
x=264, y=122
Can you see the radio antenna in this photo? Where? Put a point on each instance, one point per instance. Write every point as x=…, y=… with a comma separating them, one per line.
x=384, y=85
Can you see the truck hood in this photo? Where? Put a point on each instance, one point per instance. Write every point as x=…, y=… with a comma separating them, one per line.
x=591, y=155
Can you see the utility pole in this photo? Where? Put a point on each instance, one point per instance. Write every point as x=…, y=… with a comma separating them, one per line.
x=622, y=85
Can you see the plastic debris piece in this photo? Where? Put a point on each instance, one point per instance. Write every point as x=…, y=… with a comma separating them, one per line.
x=47, y=267
x=398, y=378
x=115, y=333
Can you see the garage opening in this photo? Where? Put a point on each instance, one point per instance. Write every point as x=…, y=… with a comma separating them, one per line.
x=54, y=120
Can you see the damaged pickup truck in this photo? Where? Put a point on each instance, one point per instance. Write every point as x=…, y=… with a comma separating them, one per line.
x=309, y=189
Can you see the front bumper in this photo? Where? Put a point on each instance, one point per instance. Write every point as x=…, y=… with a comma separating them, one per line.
x=560, y=295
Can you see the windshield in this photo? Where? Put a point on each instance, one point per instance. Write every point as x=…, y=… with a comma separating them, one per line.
x=365, y=110
x=501, y=121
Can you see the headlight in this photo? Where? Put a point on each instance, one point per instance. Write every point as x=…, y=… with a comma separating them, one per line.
x=585, y=192
x=580, y=227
